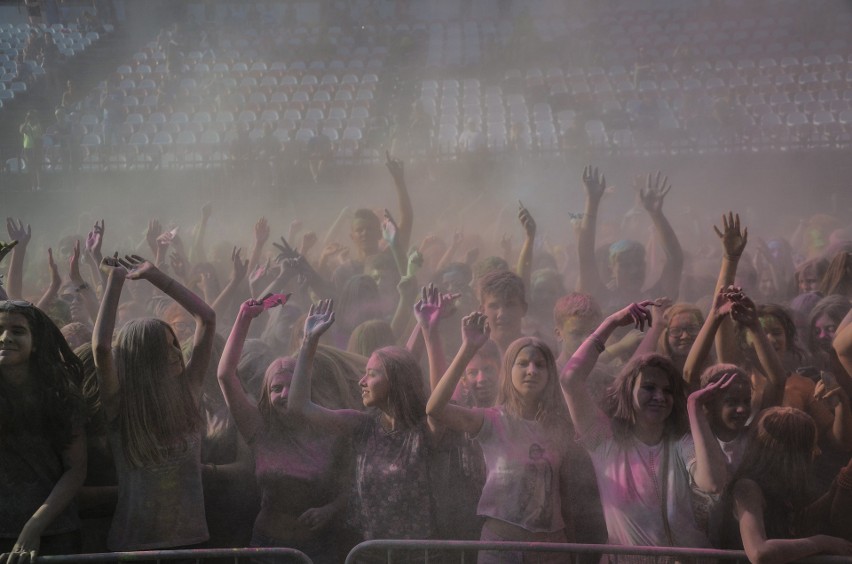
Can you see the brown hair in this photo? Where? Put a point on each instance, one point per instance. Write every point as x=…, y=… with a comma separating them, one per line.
x=552, y=411
x=620, y=396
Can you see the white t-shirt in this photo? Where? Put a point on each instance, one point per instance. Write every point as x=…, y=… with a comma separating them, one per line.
x=631, y=483
x=523, y=461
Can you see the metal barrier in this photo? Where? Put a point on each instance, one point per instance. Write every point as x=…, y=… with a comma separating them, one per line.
x=434, y=551
x=236, y=555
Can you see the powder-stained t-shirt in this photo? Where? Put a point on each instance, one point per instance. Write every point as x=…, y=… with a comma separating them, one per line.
x=523, y=461
x=632, y=478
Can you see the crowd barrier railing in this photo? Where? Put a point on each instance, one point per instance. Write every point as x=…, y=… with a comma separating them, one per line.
x=437, y=552
x=236, y=555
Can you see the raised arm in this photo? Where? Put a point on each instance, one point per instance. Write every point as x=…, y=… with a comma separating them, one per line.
x=108, y=385
x=744, y=312
x=21, y=234
x=86, y=292
x=320, y=318
x=5, y=249
x=406, y=211
x=47, y=298
x=652, y=194
x=711, y=466
x=475, y=333
x=525, y=259
x=94, y=256
x=428, y=311
x=245, y=413
x=733, y=241
x=205, y=318
x=584, y=412
x=655, y=329
x=261, y=235
x=238, y=273
x=390, y=233
x=196, y=251
x=700, y=350
x=590, y=281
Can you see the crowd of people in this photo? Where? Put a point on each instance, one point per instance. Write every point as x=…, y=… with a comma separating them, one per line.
x=316, y=394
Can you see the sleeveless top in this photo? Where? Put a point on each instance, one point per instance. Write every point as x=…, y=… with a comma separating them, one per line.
x=159, y=506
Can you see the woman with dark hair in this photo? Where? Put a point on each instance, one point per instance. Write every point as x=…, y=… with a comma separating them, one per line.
x=42, y=442
x=392, y=493
x=151, y=400
x=298, y=467
x=764, y=510
x=644, y=457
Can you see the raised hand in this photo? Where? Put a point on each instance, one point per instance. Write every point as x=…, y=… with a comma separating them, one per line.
x=309, y=239
x=55, y=279
x=320, y=318
x=18, y=232
x=636, y=314
x=714, y=390
x=733, y=239
x=653, y=192
x=595, y=183
x=475, y=330
x=295, y=227
x=261, y=232
x=95, y=239
x=6, y=248
x=429, y=308
x=744, y=312
x=429, y=240
x=240, y=267
x=389, y=228
x=74, y=265
x=252, y=308
x=111, y=266
x=527, y=220
x=415, y=262
x=285, y=251
x=396, y=168
x=137, y=267
x=206, y=210
x=154, y=231
x=259, y=272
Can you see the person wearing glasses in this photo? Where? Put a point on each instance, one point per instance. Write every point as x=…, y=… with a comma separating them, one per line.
x=42, y=443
